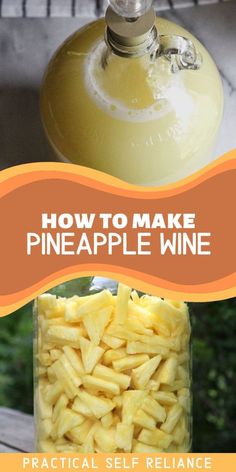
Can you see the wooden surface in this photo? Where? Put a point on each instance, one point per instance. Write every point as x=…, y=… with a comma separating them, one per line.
x=16, y=431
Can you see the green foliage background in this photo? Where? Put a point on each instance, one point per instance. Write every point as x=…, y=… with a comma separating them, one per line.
x=214, y=370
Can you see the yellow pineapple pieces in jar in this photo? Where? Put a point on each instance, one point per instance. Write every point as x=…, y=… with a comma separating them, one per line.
x=112, y=373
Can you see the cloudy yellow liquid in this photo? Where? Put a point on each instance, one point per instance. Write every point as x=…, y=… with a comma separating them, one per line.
x=131, y=118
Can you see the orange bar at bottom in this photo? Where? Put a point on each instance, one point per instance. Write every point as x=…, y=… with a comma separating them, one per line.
x=113, y=462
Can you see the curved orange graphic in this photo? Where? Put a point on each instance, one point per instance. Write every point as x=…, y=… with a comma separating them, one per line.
x=28, y=191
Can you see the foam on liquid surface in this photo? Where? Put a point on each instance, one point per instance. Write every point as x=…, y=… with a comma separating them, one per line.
x=139, y=91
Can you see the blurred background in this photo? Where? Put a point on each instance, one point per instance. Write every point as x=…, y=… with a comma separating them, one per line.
x=214, y=369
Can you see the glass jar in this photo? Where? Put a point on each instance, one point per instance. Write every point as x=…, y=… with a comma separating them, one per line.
x=112, y=370
x=145, y=108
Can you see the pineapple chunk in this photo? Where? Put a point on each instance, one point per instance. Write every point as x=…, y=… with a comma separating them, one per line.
x=183, y=357
x=109, y=374
x=67, y=420
x=172, y=419
x=165, y=398
x=99, y=406
x=124, y=436
x=53, y=392
x=118, y=401
x=64, y=379
x=79, y=434
x=71, y=310
x=74, y=359
x=42, y=371
x=122, y=332
x=152, y=408
x=129, y=362
x=51, y=375
x=141, y=314
x=166, y=373
x=140, y=448
x=50, y=306
x=44, y=408
x=136, y=347
x=65, y=335
x=88, y=445
x=162, y=341
x=123, y=297
x=95, y=302
x=143, y=419
x=105, y=439
x=182, y=373
x=132, y=401
x=45, y=359
x=112, y=342
x=153, y=385
x=96, y=322
x=47, y=347
x=82, y=408
x=66, y=447
x=100, y=385
x=184, y=399
x=107, y=420
x=61, y=404
x=47, y=446
x=76, y=380
x=167, y=314
x=47, y=323
x=91, y=354
x=179, y=431
x=177, y=304
x=175, y=386
x=55, y=354
x=112, y=355
x=45, y=429
x=142, y=374
x=134, y=325
x=155, y=438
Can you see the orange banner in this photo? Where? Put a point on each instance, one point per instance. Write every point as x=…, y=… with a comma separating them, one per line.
x=114, y=462
x=183, y=238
